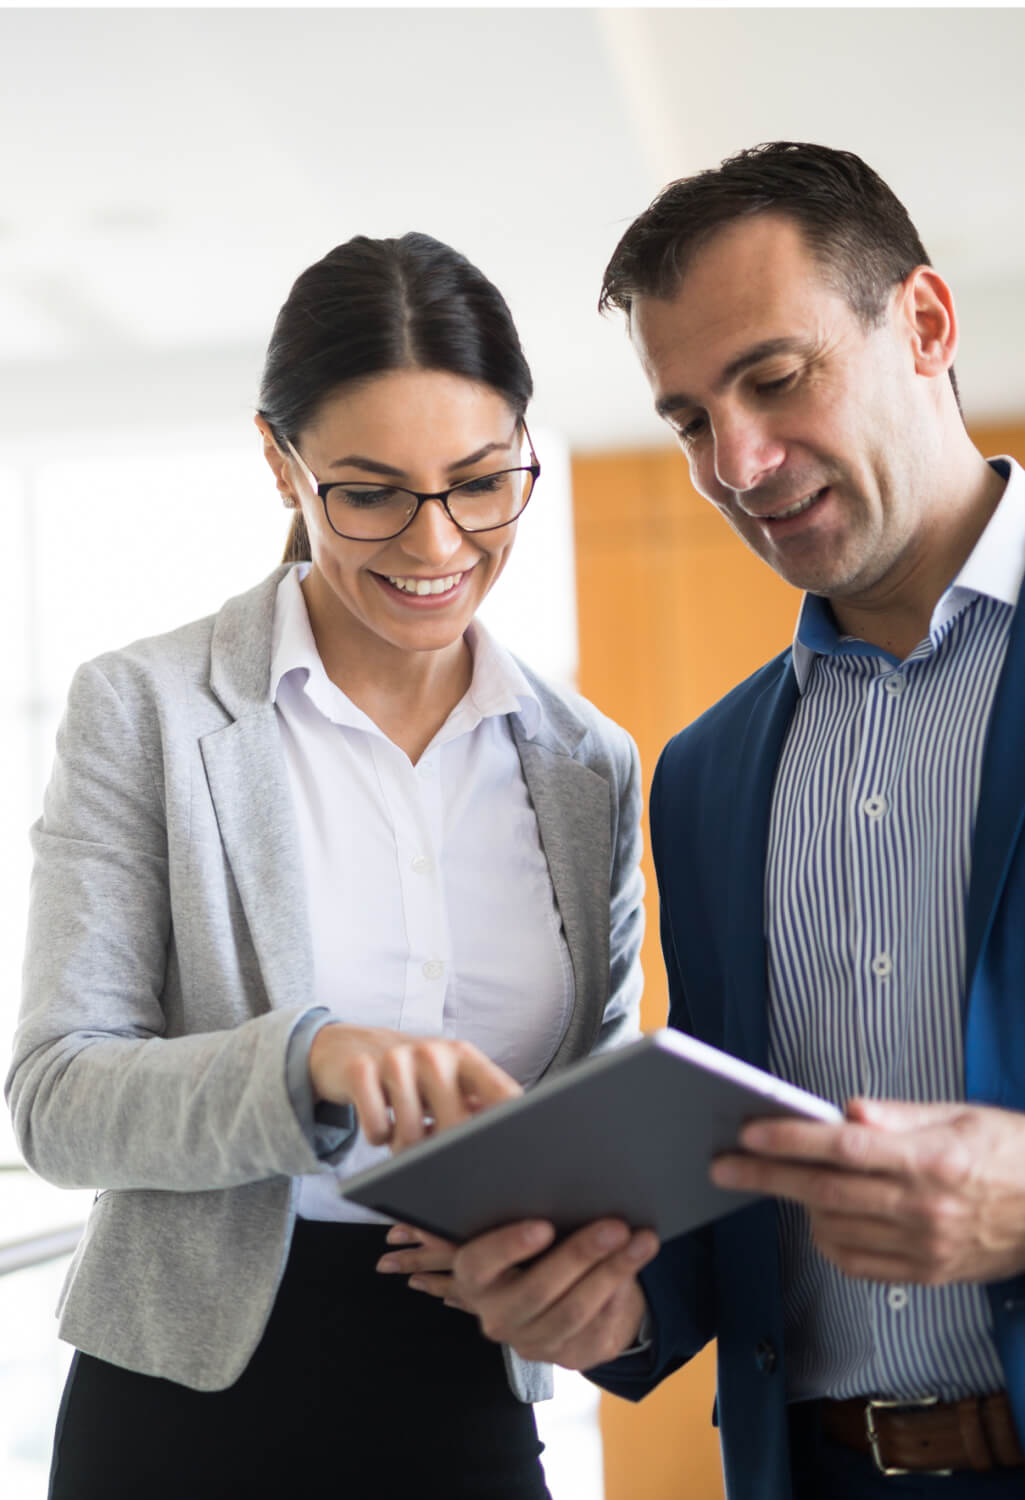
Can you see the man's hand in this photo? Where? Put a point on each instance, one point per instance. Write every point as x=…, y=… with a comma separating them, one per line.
x=929, y=1193
x=578, y=1305
x=404, y=1087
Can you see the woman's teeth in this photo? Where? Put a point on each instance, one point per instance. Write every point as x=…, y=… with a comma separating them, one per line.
x=425, y=585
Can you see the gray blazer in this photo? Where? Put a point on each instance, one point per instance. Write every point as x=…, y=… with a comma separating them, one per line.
x=169, y=960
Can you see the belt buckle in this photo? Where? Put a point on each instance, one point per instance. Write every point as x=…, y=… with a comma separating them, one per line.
x=874, y=1404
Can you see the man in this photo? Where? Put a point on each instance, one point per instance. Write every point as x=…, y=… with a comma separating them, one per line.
x=840, y=862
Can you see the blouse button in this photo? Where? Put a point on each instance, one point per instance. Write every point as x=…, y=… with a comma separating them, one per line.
x=433, y=968
x=422, y=864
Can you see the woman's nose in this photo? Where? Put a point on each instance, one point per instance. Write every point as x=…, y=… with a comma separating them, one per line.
x=432, y=535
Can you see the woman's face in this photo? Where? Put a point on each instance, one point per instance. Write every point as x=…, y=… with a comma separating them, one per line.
x=423, y=430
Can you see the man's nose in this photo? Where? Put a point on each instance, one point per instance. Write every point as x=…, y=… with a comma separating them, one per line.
x=745, y=453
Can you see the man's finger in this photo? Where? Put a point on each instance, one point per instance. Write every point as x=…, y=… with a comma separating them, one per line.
x=865, y=1195
x=899, y=1114
x=614, y=1329
x=855, y=1147
x=517, y=1301
x=577, y=1314
x=483, y=1261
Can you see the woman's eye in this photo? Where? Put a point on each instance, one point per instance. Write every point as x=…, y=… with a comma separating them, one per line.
x=363, y=497
x=487, y=484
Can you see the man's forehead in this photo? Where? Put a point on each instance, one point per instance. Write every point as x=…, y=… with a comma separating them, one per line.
x=736, y=264
x=752, y=284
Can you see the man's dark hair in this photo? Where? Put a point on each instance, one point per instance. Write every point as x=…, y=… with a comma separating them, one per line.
x=856, y=227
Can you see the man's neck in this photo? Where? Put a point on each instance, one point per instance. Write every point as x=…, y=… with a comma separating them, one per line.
x=899, y=615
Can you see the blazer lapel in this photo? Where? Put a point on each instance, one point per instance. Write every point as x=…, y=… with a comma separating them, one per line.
x=571, y=803
x=749, y=804
x=248, y=783
x=1000, y=815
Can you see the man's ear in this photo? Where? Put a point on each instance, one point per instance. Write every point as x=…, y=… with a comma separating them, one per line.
x=279, y=464
x=927, y=307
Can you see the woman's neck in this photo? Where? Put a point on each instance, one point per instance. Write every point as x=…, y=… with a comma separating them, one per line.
x=407, y=694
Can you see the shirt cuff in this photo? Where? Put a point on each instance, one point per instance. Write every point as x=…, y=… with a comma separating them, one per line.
x=645, y=1335
x=329, y=1128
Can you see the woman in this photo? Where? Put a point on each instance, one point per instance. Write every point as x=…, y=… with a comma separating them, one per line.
x=289, y=855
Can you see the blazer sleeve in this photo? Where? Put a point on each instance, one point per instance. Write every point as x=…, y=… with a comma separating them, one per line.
x=101, y=1095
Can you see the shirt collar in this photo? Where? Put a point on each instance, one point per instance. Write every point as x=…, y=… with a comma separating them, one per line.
x=497, y=686
x=995, y=567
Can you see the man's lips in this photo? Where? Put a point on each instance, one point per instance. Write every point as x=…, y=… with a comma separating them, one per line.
x=790, y=511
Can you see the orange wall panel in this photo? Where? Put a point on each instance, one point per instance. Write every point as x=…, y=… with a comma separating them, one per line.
x=673, y=611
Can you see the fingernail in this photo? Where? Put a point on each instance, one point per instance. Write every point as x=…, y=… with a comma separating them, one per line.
x=536, y=1236
x=610, y=1237
x=399, y=1236
x=388, y=1263
x=754, y=1136
x=417, y=1283
x=639, y=1248
x=724, y=1174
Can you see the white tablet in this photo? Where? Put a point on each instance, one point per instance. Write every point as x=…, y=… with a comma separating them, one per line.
x=628, y=1134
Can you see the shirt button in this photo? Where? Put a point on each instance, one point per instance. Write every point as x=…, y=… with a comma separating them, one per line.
x=765, y=1356
x=882, y=966
x=422, y=864
x=897, y=1297
x=433, y=968
x=874, y=806
x=895, y=684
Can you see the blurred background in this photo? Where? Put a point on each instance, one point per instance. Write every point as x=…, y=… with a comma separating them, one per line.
x=165, y=175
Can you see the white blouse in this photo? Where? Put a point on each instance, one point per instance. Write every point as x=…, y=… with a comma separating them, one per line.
x=431, y=906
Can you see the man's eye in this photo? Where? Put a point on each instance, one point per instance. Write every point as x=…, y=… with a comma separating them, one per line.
x=769, y=387
x=692, y=429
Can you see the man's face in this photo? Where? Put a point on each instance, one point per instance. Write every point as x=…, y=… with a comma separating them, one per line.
x=802, y=426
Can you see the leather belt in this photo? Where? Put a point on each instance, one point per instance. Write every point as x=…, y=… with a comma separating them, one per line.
x=927, y=1436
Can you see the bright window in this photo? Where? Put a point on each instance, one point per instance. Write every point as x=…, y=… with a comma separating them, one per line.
x=109, y=539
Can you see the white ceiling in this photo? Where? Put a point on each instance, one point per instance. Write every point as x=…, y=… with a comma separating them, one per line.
x=166, y=173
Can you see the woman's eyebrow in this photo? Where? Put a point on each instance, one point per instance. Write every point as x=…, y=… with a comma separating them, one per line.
x=375, y=466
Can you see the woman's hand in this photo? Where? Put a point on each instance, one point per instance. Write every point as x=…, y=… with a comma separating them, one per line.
x=404, y=1087
x=426, y=1258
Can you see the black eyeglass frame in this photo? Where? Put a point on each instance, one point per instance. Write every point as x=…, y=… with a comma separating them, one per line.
x=421, y=497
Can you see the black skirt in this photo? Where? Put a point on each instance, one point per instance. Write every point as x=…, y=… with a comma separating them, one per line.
x=358, y=1384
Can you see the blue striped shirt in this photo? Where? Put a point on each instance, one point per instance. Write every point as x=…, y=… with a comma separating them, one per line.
x=866, y=886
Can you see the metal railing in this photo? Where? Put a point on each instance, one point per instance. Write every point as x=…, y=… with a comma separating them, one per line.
x=36, y=1249
x=19, y=1255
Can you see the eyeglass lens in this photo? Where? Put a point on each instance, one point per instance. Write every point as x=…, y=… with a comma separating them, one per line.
x=372, y=511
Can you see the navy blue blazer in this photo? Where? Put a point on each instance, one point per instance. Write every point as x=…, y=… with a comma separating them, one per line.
x=710, y=807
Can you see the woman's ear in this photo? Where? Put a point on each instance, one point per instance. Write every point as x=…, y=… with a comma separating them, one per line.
x=927, y=305
x=279, y=464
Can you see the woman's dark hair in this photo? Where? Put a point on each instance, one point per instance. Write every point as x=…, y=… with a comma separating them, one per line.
x=371, y=306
